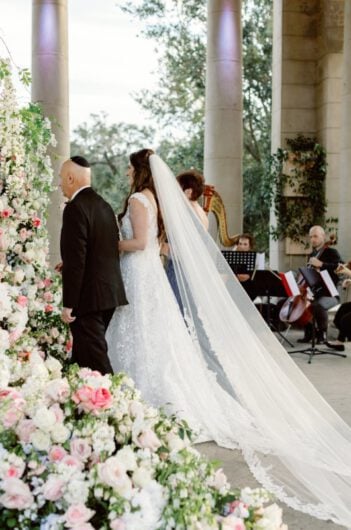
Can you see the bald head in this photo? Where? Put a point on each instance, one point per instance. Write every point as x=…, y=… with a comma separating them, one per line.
x=73, y=176
x=317, y=236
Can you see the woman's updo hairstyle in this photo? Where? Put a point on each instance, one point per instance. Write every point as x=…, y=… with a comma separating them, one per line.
x=193, y=180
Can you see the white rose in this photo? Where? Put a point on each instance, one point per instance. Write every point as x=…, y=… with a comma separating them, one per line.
x=126, y=456
x=44, y=419
x=18, y=276
x=272, y=518
x=54, y=366
x=60, y=433
x=58, y=390
x=142, y=477
x=113, y=473
x=175, y=443
x=40, y=440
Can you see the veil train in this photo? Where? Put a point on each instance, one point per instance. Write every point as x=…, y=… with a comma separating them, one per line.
x=295, y=444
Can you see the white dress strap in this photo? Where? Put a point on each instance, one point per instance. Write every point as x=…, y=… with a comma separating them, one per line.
x=141, y=197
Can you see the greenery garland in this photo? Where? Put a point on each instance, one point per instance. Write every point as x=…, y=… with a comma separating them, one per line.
x=299, y=194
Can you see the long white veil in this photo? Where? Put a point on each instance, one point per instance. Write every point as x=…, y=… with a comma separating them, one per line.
x=296, y=445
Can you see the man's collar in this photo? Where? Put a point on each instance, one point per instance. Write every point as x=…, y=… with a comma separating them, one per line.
x=78, y=191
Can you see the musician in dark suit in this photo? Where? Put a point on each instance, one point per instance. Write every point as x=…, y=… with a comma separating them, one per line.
x=91, y=277
x=322, y=257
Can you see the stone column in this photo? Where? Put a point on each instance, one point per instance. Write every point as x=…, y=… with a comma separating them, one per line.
x=50, y=89
x=223, y=118
x=344, y=244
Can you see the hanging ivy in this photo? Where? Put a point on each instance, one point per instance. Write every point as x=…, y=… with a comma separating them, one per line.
x=298, y=178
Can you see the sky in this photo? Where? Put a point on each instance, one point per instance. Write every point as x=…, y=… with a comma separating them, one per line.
x=108, y=61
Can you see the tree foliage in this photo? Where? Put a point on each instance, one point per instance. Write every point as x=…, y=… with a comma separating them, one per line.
x=179, y=31
x=107, y=148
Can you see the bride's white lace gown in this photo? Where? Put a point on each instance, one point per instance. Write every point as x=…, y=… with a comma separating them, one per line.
x=149, y=340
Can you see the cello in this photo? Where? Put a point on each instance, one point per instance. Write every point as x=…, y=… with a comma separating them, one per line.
x=297, y=309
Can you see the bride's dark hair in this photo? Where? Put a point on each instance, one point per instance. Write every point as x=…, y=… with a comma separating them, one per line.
x=142, y=180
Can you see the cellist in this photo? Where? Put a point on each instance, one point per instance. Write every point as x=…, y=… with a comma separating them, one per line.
x=322, y=257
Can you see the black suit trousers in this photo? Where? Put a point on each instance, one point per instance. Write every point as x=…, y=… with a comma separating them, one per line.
x=89, y=343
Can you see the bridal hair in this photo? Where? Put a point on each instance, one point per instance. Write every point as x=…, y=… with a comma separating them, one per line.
x=142, y=180
x=193, y=180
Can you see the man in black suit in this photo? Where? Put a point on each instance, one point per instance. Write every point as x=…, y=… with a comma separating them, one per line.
x=322, y=257
x=91, y=276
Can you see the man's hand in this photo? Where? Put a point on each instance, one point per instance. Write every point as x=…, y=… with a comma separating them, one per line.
x=58, y=267
x=346, y=284
x=66, y=315
x=243, y=277
x=315, y=262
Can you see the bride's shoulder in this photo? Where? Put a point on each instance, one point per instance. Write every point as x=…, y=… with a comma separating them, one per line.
x=145, y=197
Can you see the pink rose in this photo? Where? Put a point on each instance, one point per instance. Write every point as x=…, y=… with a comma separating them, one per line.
x=102, y=398
x=57, y=453
x=22, y=300
x=232, y=523
x=77, y=514
x=113, y=473
x=117, y=524
x=36, y=222
x=90, y=399
x=17, y=495
x=148, y=440
x=71, y=461
x=68, y=346
x=53, y=488
x=11, y=417
x=80, y=449
x=47, y=282
x=56, y=409
x=6, y=213
x=24, y=429
x=87, y=372
x=15, y=335
x=48, y=308
x=48, y=296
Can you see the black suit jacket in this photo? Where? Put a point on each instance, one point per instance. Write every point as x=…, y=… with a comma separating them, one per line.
x=91, y=275
x=330, y=258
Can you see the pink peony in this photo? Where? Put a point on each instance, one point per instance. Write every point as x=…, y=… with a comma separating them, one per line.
x=53, y=488
x=17, y=495
x=80, y=449
x=77, y=514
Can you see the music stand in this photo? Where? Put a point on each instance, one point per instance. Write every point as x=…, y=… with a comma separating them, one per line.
x=268, y=284
x=319, y=288
x=241, y=262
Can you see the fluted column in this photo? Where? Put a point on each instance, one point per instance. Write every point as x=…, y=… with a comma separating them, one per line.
x=50, y=89
x=345, y=153
x=223, y=118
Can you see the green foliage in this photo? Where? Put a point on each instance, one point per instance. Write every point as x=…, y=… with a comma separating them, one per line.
x=298, y=176
x=179, y=29
x=107, y=148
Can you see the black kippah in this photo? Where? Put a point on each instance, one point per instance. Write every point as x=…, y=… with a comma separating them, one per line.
x=80, y=160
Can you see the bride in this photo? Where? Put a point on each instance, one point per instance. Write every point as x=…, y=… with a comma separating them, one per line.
x=220, y=367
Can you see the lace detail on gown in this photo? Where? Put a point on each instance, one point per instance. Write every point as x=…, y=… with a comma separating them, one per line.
x=149, y=340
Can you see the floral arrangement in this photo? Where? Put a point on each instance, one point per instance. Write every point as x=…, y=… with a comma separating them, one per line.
x=29, y=293
x=80, y=450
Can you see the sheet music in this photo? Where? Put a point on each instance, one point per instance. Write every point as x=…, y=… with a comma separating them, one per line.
x=290, y=279
x=329, y=283
x=260, y=261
